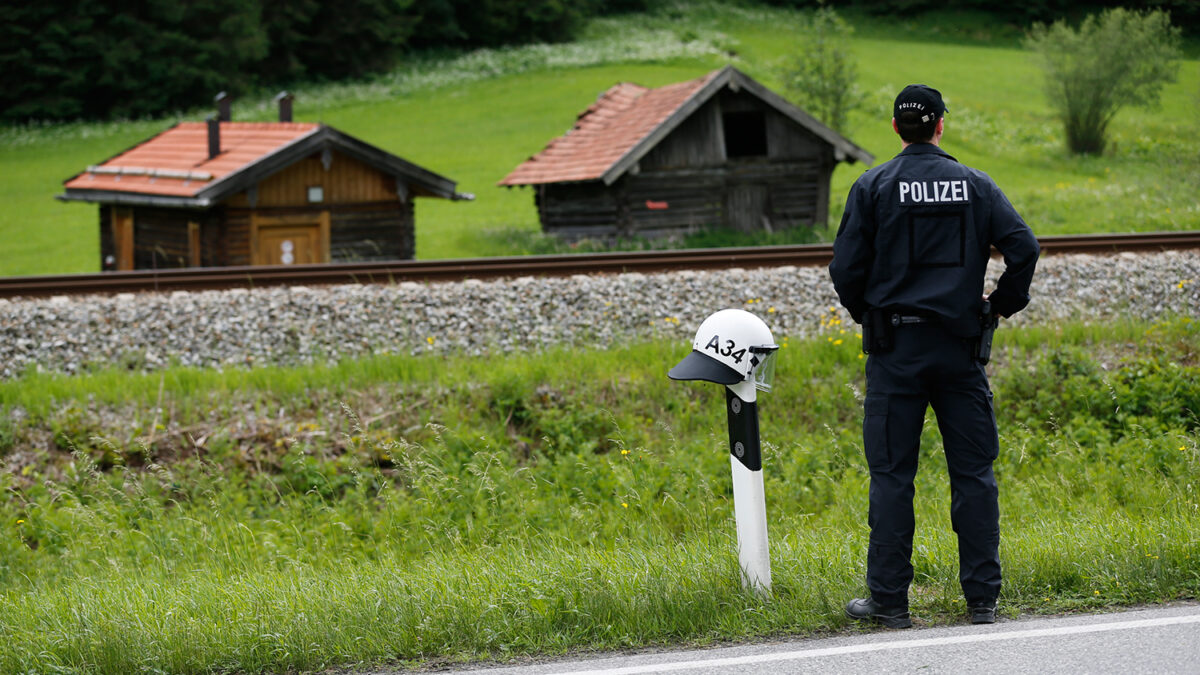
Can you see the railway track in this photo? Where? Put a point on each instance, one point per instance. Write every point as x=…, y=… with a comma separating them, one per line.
x=195, y=279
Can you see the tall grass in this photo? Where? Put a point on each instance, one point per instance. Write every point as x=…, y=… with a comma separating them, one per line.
x=410, y=510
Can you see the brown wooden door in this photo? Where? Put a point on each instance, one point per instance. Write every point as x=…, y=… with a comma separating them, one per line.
x=289, y=245
x=293, y=239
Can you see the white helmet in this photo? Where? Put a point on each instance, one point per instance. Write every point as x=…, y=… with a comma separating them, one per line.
x=731, y=346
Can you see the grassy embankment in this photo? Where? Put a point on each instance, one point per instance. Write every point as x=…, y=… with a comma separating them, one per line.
x=474, y=118
x=416, y=509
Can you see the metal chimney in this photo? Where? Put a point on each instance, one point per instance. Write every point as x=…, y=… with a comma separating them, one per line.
x=284, y=99
x=214, y=137
x=224, y=102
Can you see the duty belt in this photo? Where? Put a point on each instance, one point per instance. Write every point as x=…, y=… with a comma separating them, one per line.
x=905, y=319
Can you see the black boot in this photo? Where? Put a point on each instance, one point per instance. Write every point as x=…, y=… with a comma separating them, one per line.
x=984, y=612
x=867, y=609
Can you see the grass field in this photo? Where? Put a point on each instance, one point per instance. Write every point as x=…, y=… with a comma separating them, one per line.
x=412, y=510
x=474, y=117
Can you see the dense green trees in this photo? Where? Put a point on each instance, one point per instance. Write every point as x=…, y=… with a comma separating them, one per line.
x=97, y=59
x=86, y=58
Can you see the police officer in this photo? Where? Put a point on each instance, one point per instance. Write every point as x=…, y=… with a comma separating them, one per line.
x=909, y=263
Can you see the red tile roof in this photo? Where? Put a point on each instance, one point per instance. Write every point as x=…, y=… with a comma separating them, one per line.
x=175, y=163
x=606, y=132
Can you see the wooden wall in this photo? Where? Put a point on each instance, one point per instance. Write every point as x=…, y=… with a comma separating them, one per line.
x=576, y=210
x=697, y=142
x=230, y=238
x=347, y=181
x=160, y=237
x=687, y=183
x=379, y=231
x=368, y=220
x=108, y=249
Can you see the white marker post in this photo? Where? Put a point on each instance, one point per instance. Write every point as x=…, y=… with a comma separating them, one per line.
x=734, y=347
x=749, y=497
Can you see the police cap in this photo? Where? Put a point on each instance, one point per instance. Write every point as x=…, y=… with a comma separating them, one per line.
x=925, y=101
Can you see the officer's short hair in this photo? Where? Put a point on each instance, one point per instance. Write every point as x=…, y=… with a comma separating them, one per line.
x=912, y=129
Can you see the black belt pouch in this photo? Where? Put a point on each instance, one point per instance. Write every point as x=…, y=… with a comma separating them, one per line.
x=878, y=336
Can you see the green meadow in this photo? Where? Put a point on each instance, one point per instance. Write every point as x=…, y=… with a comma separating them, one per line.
x=473, y=117
x=418, y=510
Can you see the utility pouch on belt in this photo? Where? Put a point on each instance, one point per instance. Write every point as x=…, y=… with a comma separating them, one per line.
x=877, y=332
x=988, y=323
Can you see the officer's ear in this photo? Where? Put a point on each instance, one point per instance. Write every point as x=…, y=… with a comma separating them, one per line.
x=895, y=127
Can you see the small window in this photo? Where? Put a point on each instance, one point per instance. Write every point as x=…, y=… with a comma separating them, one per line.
x=745, y=134
x=316, y=194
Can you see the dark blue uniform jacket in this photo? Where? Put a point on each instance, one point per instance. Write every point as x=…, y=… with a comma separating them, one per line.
x=916, y=237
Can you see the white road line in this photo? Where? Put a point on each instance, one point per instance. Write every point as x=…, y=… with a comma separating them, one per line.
x=894, y=644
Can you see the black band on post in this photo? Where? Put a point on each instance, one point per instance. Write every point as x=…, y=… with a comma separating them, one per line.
x=743, y=431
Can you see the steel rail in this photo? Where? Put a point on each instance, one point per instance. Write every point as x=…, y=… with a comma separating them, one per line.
x=208, y=278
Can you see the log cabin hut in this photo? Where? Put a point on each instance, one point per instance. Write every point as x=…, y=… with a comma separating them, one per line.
x=223, y=193
x=718, y=151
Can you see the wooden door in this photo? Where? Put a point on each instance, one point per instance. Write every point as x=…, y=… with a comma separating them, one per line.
x=289, y=244
x=746, y=207
x=294, y=239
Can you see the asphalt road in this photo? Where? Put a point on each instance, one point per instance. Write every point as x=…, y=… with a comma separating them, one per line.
x=1153, y=640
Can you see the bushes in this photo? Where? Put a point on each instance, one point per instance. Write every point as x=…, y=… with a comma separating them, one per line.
x=822, y=76
x=1119, y=58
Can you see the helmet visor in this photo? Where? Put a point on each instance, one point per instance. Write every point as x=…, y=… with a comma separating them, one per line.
x=764, y=370
x=700, y=366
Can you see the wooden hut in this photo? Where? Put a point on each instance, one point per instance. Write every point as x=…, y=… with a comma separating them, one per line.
x=222, y=193
x=718, y=151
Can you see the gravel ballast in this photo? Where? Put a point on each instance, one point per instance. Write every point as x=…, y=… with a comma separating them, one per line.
x=286, y=326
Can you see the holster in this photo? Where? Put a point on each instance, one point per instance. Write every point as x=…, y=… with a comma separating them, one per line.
x=878, y=332
x=987, y=323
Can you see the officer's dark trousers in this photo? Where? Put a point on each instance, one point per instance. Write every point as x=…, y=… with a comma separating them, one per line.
x=930, y=367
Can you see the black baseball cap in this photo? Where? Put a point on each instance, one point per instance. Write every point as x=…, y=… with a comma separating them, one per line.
x=926, y=101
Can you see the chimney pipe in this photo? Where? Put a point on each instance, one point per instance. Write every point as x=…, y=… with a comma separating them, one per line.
x=214, y=137
x=223, y=102
x=284, y=99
